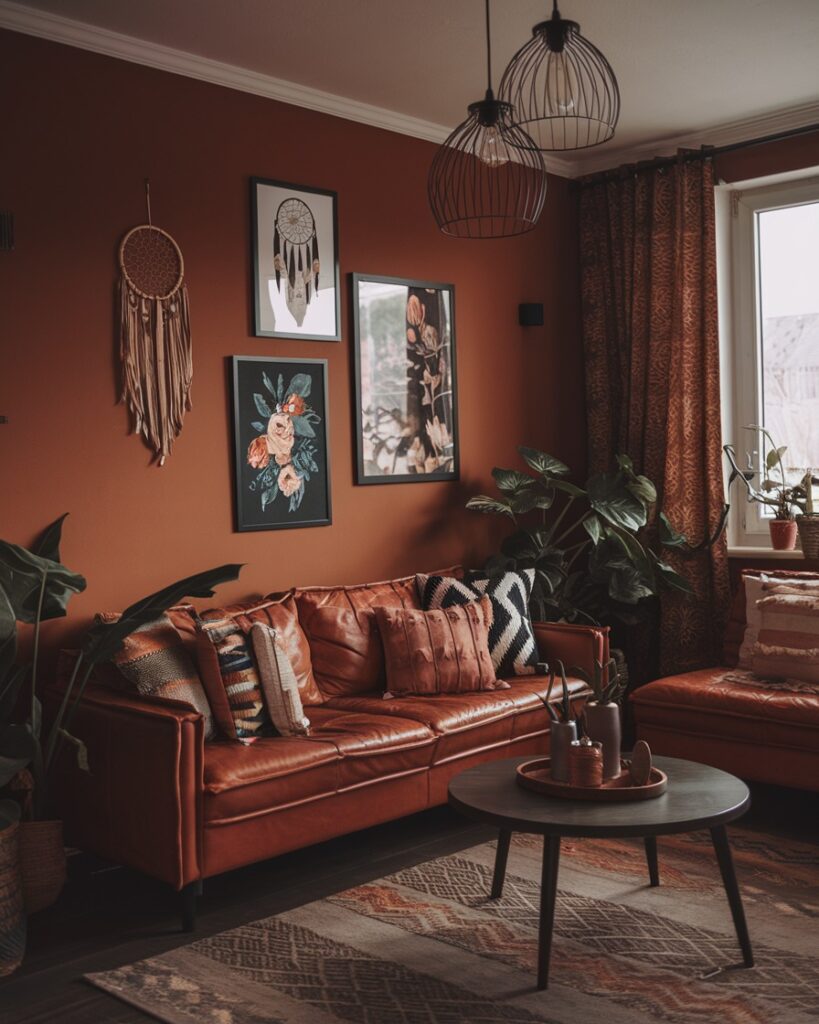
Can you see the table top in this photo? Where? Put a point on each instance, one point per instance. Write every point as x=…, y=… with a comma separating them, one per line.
x=697, y=796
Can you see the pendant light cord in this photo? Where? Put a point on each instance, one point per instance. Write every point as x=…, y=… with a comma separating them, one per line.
x=488, y=52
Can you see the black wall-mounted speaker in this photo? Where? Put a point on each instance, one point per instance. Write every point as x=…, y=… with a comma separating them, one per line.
x=530, y=314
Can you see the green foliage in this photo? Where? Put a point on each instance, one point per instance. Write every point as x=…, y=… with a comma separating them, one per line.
x=784, y=499
x=592, y=547
x=604, y=681
x=565, y=706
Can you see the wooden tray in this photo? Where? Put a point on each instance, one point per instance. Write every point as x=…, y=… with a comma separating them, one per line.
x=535, y=775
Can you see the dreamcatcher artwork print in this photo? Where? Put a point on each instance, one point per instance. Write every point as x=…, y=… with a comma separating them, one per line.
x=295, y=261
x=280, y=440
x=406, y=409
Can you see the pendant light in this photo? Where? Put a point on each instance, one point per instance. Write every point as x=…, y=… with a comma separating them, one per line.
x=488, y=179
x=562, y=89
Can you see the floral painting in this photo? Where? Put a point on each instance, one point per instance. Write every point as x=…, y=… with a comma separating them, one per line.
x=280, y=427
x=406, y=416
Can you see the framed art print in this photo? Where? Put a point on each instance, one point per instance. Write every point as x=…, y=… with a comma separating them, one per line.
x=295, y=261
x=280, y=434
x=406, y=418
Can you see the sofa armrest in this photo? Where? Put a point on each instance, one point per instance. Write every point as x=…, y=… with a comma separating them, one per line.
x=140, y=802
x=573, y=645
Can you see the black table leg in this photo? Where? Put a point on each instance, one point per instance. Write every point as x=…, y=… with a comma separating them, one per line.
x=651, y=858
x=504, y=838
x=722, y=849
x=548, y=894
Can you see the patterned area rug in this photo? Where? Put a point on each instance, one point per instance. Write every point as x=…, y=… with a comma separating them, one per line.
x=426, y=946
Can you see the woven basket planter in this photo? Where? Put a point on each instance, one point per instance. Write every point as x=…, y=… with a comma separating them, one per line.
x=42, y=863
x=12, y=914
x=809, y=534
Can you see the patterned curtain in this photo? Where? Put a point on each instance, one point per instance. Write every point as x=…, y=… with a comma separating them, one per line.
x=652, y=371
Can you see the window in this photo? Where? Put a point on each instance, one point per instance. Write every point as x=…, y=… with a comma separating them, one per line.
x=768, y=270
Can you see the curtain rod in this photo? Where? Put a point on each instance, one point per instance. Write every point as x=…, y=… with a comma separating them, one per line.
x=705, y=152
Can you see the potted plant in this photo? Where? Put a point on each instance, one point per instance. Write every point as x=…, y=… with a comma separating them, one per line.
x=602, y=715
x=563, y=730
x=594, y=556
x=808, y=522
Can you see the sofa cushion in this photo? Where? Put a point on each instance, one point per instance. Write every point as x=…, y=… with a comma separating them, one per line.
x=339, y=623
x=271, y=773
x=280, y=612
x=743, y=618
x=511, y=640
x=440, y=651
x=788, y=639
x=229, y=667
x=279, y=685
x=372, y=746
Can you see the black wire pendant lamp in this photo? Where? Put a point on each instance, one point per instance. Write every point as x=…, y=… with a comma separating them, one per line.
x=488, y=179
x=562, y=89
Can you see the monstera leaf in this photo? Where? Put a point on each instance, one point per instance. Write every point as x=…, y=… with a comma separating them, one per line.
x=611, y=498
x=22, y=574
x=483, y=503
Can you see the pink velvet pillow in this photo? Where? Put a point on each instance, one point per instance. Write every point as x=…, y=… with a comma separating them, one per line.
x=441, y=651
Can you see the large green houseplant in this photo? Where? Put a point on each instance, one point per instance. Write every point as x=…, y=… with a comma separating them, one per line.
x=595, y=558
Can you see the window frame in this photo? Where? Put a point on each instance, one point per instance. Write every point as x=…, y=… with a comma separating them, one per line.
x=740, y=326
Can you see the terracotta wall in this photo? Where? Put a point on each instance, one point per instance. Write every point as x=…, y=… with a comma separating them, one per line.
x=80, y=133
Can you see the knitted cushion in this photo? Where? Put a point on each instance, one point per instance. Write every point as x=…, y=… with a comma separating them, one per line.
x=156, y=663
x=511, y=638
x=231, y=680
x=788, y=643
x=279, y=685
x=441, y=651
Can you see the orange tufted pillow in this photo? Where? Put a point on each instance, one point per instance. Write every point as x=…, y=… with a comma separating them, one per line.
x=440, y=651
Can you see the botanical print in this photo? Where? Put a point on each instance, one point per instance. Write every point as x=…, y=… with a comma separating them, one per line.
x=283, y=464
x=294, y=256
x=405, y=377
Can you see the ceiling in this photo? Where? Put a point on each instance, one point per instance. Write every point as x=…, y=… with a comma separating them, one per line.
x=692, y=70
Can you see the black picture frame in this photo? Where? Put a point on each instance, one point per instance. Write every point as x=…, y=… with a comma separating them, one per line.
x=271, y=379
x=266, y=196
x=372, y=437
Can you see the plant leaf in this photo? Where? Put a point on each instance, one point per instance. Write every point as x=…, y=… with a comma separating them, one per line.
x=591, y=524
x=302, y=427
x=610, y=497
x=268, y=383
x=643, y=489
x=262, y=407
x=82, y=750
x=669, y=536
x=774, y=457
x=673, y=579
x=260, y=428
x=511, y=480
x=301, y=384
x=21, y=574
x=483, y=503
x=523, y=501
x=18, y=748
x=568, y=488
x=47, y=544
x=540, y=462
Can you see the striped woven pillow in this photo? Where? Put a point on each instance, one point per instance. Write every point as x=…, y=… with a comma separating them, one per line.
x=788, y=642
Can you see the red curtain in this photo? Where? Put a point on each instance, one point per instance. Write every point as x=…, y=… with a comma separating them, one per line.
x=652, y=370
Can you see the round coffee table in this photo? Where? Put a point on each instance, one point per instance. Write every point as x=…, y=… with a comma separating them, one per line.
x=697, y=797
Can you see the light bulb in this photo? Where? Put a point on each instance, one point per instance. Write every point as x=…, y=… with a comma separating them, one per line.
x=492, y=149
x=561, y=89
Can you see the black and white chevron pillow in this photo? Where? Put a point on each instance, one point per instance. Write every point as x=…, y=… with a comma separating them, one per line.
x=511, y=639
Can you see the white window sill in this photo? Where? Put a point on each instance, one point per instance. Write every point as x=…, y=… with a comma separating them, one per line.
x=749, y=552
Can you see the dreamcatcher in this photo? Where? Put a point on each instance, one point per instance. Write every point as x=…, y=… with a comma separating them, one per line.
x=296, y=255
x=155, y=334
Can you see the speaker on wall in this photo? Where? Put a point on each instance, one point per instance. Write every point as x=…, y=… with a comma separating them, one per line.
x=530, y=314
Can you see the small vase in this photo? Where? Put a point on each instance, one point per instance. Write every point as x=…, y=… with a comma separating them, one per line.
x=42, y=863
x=603, y=726
x=783, y=534
x=562, y=736
x=12, y=914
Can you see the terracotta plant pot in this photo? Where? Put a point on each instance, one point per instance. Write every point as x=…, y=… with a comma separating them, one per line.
x=603, y=726
x=12, y=914
x=808, y=526
x=563, y=734
x=783, y=534
x=42, y=863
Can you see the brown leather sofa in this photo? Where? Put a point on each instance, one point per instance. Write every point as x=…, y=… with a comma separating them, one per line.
x=753, y=731
x=162, y=800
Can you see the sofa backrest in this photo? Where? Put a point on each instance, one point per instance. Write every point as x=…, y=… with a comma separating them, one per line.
x=341, y=629
x=735, y=626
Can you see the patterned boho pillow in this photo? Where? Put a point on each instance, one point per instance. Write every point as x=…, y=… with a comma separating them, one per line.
x=231, y=680
x=279, y=684
x=441, y=651
x=511, y=637
x=156, y=663
x=788, y=642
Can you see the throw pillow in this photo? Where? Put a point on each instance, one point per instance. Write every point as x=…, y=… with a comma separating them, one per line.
x=279, y=684
x=788, y=642
x=156, y=663
x=756, y=584
x=231, y=680
x=511, y=637
x=440, y=651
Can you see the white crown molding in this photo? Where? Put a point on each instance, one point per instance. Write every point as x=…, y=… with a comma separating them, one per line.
x=46, y=25
x=718, y=135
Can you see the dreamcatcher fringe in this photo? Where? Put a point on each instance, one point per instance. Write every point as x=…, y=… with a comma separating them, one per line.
x=157, y=365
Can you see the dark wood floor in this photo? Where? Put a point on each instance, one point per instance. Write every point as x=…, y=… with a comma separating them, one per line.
x=109, y=916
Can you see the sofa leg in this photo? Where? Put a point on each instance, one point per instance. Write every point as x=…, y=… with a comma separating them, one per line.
x=188, y=897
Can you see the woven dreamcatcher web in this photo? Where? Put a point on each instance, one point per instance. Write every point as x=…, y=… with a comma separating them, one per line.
x=155, y=335
x=296, y=255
